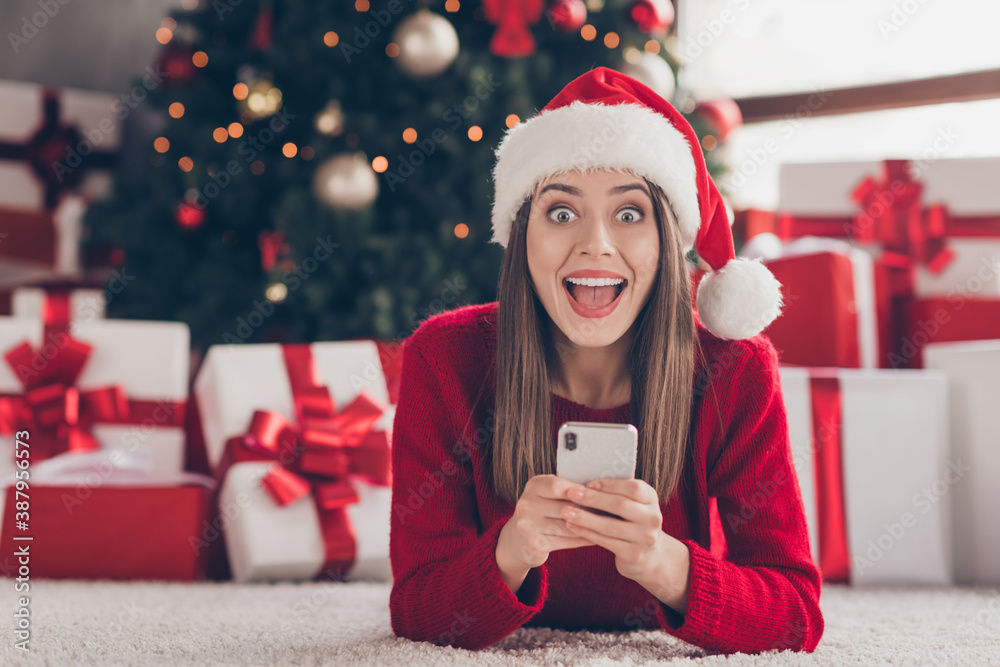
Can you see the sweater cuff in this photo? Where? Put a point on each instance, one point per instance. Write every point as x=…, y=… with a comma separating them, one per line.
x=701, y=621
x=496, y=594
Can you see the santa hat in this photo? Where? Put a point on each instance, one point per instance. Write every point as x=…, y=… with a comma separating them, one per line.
x=607, y=120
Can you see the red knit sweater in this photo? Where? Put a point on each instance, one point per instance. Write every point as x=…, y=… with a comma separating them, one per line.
x=762, y=594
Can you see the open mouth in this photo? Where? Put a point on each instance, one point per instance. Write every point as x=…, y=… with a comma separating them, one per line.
x=594, y=297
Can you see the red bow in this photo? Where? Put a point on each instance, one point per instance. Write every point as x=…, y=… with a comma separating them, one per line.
x=512, y=38
x=58, y=415
x=891, y=213
x=315, y=454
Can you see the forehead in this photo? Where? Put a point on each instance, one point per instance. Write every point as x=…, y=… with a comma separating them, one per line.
x=576, y=177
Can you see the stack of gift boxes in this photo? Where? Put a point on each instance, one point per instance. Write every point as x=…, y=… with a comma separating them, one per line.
x=890, y=361
x=96, y=461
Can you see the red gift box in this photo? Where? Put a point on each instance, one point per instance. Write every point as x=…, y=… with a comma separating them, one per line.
x=945, y=320
x=120, y=532
x=820, y=324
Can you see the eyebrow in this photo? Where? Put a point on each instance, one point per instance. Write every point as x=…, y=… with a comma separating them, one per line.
x=617, y=190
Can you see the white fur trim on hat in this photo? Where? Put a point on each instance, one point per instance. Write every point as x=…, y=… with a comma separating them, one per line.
x=585, y=137
x=739, y=300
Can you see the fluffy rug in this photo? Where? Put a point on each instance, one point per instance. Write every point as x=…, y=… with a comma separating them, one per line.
x=223, y=623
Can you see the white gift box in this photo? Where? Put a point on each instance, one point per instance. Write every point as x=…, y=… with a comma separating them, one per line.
x=96, y=116
x=148, y=360
x=824, y=190
x=266, y=541
x=896, y=474
x=973, y=370
x=84, y=304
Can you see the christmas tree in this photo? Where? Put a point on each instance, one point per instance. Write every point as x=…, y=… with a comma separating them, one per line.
x=324, y=169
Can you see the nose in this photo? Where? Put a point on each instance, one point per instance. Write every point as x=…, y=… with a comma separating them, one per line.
x=595, y=238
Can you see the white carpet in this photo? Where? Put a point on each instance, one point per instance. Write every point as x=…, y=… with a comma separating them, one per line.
x=222, y=623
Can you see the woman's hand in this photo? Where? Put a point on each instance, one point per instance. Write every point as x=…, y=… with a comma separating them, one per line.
x=636, y=539
x=537, y=527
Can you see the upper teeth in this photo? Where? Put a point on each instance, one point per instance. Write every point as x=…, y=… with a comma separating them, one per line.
x=596, y=282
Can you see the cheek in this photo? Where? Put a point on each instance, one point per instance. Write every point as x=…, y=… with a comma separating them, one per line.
x=645, y=258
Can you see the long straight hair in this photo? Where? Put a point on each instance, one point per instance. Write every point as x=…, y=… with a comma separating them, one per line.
x=661, y=365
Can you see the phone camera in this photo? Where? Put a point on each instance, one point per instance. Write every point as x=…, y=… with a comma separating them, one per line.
x=571, y=441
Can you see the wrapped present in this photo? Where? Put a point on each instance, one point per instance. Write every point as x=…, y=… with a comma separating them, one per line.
x=837, y=303
x=109, y=384
x=57, y=151
x=973, y=370
x=870, y=449
x=299, y=437
x=40, y=244
x=54, y=302
x=106, y=514
x=941, y=320
x=935, y=220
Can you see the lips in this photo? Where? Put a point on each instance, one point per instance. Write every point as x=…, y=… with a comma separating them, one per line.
x=592, y=311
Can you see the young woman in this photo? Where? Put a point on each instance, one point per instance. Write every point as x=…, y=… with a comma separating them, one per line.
x=597, y=198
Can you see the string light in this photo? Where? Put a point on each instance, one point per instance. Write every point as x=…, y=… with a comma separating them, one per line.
x=380, y=164
x=164, y=35
x=409, y=135
x=512, y=120
x=475, y=133
x=240, y=91
x=331, y=39
x=176, y=110
x=461, y=230
x=289, y=149
x=220, y=134
x=588, y=32
x=200, y=59
x=235, y=130
x=185, y=163
x=611, y=40
x=161, y=144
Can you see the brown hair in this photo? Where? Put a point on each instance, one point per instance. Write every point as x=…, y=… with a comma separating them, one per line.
x=661, y=362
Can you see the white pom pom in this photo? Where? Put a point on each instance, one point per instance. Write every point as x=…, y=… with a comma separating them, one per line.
x=739, y=300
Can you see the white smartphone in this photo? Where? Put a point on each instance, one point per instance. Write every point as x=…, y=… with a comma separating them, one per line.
x=587, y=451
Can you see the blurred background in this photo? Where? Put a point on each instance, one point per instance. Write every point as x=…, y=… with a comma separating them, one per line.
x=219, y=172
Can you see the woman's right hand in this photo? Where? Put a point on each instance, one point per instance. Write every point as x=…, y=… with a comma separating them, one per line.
x=536, y=528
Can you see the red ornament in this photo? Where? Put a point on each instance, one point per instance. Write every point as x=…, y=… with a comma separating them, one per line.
x=177, y=66
x=512, y=39
x=260, y=39
x=723, y=116
x=272, y=245
x=567, y=15
x=189, y=216
x=653, y=16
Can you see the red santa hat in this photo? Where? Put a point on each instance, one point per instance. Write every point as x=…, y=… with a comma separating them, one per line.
x=607, y=120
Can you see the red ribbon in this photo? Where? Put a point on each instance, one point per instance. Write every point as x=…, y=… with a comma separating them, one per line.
x=315, y=454
x=890, y=213
x=59, y=415
x=835, y=559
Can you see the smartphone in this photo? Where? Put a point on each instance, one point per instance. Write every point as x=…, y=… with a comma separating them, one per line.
x=587, y=451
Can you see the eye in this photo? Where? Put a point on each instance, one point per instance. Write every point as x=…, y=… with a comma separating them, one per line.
x=631, y=215
x=562, y=213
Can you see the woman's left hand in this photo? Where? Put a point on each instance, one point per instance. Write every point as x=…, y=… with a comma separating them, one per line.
x=636, y=539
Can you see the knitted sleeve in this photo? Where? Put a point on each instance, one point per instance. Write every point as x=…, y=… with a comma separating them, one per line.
x=765, y=594
x=447, y=587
